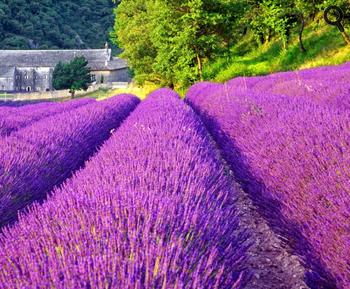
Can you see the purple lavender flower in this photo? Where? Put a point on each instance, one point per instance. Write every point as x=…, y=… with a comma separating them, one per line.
x=292, y=155
x=35, y=159
x=155, y=208
x=13, y=119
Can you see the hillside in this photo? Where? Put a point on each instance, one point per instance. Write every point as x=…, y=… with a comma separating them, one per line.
x=177, y=43
x=324, y=46
x=55, y=24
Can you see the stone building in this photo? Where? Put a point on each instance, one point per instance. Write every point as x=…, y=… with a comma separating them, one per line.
x=31, y=70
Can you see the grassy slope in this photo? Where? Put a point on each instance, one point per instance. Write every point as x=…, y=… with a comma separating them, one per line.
x=140, y=91
x=324, y=44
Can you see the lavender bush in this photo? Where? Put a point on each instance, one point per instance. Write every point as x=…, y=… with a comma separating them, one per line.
x=19, y=103
x=13, y=109
x=13, y=119
x=292, y=156
x=327, y=85
x=35, y=159
x=155, y=208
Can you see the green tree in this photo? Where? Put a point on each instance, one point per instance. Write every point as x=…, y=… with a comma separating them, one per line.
x=60, y=76
x=132, y=31
x=168, y=41
x=75, y=75
x=303, y=9
x=268, y=18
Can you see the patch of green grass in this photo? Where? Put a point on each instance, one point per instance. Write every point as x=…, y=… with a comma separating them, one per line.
x=140, y=91
x=100, y=93
x=324, y=45
x=6, y=95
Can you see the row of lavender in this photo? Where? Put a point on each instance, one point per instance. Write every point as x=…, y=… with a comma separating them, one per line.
x=327, y=85
x=15, y=118
x=154, y=208
x=40, y=156
x=293, y=157
x=20, y=103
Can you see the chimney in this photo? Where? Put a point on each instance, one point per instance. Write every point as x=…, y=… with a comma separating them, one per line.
x=108, y=54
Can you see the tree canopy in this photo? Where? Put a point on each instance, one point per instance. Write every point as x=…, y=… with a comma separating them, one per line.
x=55, y=23
x=169, y=41
x=74, y=75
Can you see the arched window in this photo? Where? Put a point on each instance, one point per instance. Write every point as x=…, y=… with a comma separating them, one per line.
x=28, y=89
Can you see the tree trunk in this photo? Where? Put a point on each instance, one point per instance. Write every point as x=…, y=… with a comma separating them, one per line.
x=261, y=39
x=200, y=67
x=313, y=15
x=284, y=42
x=302, y=26
x=268, y=37
x=266, y=40
x=314, y=10
x=72, y=92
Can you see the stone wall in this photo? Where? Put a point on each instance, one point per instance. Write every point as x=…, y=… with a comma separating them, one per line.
x=39, y=79
x=6, y=84
x=28, y=79
x=64, y=93
x=7, y=75
x=120, y=75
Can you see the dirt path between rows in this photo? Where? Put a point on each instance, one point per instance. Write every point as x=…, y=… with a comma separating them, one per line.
x=271, y=262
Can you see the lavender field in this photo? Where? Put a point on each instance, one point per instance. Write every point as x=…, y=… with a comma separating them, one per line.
x=244, y=184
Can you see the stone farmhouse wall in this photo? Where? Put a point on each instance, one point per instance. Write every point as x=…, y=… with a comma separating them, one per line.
x=120, y=75
x=56, y=94
x=6, y=84
x=7, y=75
x=33, y=79
x=32, y=70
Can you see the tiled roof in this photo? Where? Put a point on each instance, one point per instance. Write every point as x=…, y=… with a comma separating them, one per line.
x=99, y=59
x=116, y=63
